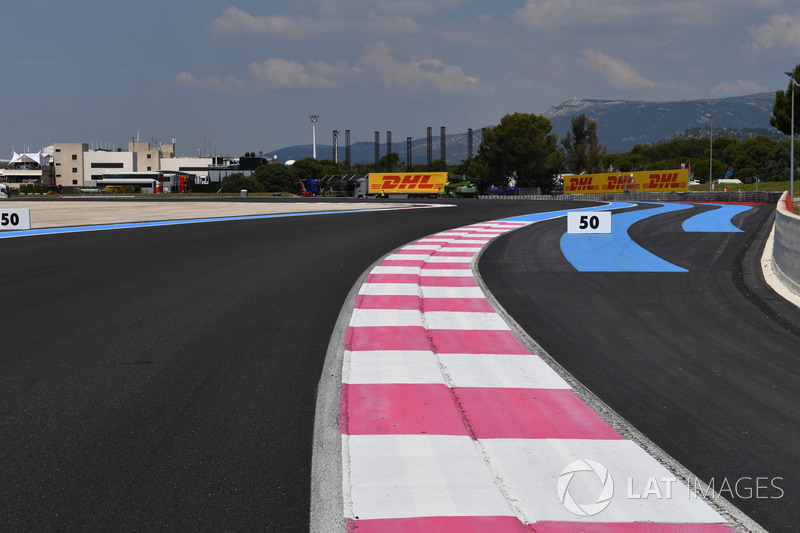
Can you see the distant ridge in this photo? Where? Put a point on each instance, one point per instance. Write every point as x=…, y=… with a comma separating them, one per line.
x=621, y=124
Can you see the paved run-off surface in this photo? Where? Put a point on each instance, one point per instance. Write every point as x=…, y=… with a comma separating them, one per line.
x=53, y=213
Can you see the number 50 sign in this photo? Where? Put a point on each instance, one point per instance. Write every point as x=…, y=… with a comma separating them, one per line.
x=12, y=219
x=589, y=222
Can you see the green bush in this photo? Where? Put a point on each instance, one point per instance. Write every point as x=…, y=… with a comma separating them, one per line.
x=238, y=181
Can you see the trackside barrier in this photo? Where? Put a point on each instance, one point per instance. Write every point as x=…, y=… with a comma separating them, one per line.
x=786, y=245
x=767, y=197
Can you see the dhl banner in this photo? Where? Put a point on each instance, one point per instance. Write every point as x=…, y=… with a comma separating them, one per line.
x=431, y=183
x=644, y=181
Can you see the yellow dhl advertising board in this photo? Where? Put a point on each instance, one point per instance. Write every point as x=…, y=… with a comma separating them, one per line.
x=413, y=183
x=644, y=181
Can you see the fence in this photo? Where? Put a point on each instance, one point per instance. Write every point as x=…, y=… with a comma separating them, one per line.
x=786, y=245
x=768, y=197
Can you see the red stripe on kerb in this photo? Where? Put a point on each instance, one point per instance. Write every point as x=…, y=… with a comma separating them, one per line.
x=440, y=524
x=374, y=301
x=414, y=252
x=447, y=281
x=442, y=253
x=476, y=342
x=467, y=305
x=505, y=413
x=393, y=278
x=358, y=339
x=411, y=302
x=626, y=527
x=401, y=409
x=445, y=266
x=403, y=263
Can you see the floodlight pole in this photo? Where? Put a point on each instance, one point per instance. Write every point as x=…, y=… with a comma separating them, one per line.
x=711, y=154
x=314, y=119
x=790, y=73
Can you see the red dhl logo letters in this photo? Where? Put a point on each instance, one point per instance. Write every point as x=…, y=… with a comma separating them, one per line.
x=645, y=181
x=665, y=181
x=416, y=181
x=432, y=182
x=582, y=184
x=621, y=183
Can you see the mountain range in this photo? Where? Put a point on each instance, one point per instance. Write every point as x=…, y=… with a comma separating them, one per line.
x=621, y=124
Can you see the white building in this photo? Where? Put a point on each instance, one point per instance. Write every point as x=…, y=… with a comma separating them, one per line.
x=78, y=166
x=97, y=163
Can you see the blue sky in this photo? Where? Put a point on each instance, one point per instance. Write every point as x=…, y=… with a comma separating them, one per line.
x=228, y=78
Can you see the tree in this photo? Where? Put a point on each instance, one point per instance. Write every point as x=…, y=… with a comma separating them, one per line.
x=238, y=181
x=390, y=163
x=782, y=108
x=275, y=177
x=584, y=154
x=521, y=147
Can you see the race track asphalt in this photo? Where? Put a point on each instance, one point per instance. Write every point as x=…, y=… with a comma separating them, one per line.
x=164, y=378
x=705, y=363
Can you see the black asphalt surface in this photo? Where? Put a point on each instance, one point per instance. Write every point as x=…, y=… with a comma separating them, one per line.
x=705, y=363
x=164, y=378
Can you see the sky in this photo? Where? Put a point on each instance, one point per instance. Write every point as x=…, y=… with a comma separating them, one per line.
x=225, y=78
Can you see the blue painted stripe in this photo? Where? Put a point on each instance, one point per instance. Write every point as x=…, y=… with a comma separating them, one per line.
x=715, y=220
x=616, y=251
x=102, y=227
x=538, y=217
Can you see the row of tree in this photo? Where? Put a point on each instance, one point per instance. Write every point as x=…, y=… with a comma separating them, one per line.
x=523, y=150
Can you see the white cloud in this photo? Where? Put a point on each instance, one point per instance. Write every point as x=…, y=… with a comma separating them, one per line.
x=283, y=73
x=234, y=21
x=630, y=14
x=378, y=63
x=739, y=87
x=545, y=13
x=274, y=73
x=782, y=30
x=415, y=7
x=228, y=84
x=615, y=71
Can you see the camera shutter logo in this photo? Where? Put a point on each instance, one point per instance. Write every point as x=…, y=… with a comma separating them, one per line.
x=586, y=509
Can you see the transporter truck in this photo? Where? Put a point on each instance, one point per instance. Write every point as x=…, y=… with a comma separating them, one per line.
x=401, y=185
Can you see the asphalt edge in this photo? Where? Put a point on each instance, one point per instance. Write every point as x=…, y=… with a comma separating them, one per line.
x=737, y=520
x=327, y=499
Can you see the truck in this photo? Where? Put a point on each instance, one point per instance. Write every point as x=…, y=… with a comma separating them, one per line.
x=462, y=189
x=401, y=185
x=4, y=192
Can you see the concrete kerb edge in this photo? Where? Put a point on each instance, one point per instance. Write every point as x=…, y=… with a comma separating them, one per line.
x=737, y=520
x=327, y=499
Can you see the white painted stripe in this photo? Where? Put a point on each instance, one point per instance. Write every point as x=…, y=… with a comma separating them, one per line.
x=448, y=259
x=422, y=247
x=451, y=292
x=385, y=317
x=530, y=470
x=389, y=366
x=448, y=248
x=408, y=257
x=391, y=289
x=464, y=321
x=403, y=476
x=447, y=273
x=451, y=234
x=395, y=270
x=500, y=371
